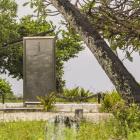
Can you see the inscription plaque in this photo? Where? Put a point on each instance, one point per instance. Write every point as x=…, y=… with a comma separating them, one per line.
x=39, y=67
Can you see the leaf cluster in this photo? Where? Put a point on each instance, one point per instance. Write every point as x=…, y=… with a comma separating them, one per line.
x=117, y=21
x=127, y=116
x=5, y=89
x=48, y=101
x=8, y=9
x=77, y=93
x=67, y=47
x=110, y=99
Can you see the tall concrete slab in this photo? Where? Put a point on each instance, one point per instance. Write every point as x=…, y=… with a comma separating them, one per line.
x=39, y=67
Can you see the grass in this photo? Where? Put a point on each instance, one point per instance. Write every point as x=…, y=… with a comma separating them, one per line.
x=36, y=130
x=20, y=130
x=110, y=130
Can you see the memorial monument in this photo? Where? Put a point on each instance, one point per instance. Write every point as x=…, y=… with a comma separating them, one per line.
x=39, y=67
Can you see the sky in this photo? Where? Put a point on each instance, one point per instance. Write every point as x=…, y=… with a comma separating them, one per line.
x=84, y=70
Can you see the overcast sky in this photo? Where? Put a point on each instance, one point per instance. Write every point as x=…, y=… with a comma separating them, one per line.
x=83, y=71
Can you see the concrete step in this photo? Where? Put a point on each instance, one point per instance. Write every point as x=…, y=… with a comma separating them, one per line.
x=21, y=109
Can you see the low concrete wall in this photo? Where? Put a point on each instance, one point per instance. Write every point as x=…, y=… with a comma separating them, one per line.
x=59, y=107
x=89, y=108
x=30, y=116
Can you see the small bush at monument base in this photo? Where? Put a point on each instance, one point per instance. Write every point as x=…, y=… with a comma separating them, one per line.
x=48, y=101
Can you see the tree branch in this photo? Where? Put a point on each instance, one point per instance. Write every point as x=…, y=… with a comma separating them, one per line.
x=21, y=39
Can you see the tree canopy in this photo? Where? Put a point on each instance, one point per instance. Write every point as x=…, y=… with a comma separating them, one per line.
x=11, y=55
x=117, y=21
x=8, y=9
x=5, y=89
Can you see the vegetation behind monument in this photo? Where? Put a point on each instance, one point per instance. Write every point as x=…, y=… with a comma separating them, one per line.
x=67, y=46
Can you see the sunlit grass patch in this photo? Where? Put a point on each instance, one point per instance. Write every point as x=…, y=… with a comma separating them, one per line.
x=22, y=130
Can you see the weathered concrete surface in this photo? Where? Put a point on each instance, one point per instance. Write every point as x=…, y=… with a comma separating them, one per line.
x=39, y=67
x=87, y=107
x=91, y=112
x=60, y=107
x=11, y=105
x=30, y=116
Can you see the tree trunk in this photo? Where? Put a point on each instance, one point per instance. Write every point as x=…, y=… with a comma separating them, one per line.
x=113, y=67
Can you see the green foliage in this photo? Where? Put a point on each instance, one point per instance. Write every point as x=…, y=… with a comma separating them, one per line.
x=110, y=100
x=67, y=47
x=134, y=135
x=30, y=26
x=106, y=130
x=48, y=101
x=109, y=129
x=117, y=22
x=8, y=10
x=5, y=89
x=13, y=61
x=127, y=117
x=8, y=30
x=39, y=8
x=36, y=130
x=12, y=56
x=22, y=130
x=95, y=131
x=77, y=93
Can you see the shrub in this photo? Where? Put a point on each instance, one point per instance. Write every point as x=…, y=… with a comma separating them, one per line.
x=77, y=93
x=5, y=89
x=48, y=101
x=134, y=135
x=126, y=116
x=110, y=100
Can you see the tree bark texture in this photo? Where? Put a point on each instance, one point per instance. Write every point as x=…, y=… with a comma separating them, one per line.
x=113, y=67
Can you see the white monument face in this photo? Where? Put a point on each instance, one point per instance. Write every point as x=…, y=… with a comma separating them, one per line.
x=39, y=67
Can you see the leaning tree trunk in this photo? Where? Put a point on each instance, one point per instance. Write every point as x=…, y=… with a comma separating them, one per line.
x=113, y=67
